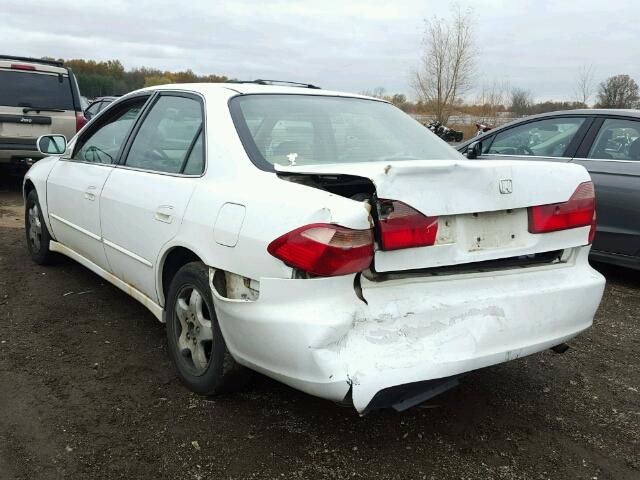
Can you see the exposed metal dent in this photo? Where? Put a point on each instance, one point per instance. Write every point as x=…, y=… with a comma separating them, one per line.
x=230, y=286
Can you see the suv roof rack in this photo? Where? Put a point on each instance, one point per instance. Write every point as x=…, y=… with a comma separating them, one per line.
x=261, y=81
x=54, y=63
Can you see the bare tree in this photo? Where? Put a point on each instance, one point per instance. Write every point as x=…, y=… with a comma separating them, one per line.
x=521, y=101
x=492, y=99
x=378, y=92
x=585, y=85
x=447, y=64
x=619, y=91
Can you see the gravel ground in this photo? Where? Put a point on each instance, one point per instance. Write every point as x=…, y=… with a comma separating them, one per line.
x=87, y=392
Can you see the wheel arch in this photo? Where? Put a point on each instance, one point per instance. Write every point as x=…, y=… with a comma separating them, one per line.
x=27, y=187
x=172, y=260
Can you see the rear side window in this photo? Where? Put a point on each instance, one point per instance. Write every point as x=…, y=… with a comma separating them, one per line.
x=168, y=136
x=543, y=138
x=37, y=90
x=617, y=140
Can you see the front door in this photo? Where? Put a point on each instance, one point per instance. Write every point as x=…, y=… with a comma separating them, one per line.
x=145, y=197
x=75, y=183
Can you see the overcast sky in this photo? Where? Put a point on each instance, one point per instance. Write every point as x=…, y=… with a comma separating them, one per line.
x=350, y=45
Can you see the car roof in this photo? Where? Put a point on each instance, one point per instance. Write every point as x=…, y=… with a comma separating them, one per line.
x=253, y=88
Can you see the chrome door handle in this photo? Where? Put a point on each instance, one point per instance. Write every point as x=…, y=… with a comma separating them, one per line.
x=89, y=193
x=164, y=213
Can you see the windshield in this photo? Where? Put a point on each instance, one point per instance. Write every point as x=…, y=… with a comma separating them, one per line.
x=27, y=89
x=315, y=130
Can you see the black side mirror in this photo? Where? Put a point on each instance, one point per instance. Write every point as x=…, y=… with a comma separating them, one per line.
x=474, y=150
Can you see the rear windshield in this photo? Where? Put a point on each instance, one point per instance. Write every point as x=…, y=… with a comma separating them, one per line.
x=43, y=90
x=314, y=130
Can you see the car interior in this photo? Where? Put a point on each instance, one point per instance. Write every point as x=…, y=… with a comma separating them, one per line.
x=617, y=140
x=546, y=138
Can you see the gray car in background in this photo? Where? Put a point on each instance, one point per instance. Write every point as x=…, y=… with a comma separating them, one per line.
x=606, y=143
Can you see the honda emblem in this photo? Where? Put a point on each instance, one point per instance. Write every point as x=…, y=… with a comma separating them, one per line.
x=506, y=186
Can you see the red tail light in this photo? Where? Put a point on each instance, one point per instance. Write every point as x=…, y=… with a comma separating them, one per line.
x=21, y=66
x=81, y=121
x=578, y=211
x=325, y=249
x=404, y=227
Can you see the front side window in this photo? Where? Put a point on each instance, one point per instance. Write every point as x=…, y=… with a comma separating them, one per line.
x=617, y=140
x=543, y=138
x=102, y=144
x=315, y=129
x=168, y=136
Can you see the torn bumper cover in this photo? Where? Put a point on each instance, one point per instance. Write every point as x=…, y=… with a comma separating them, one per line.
x=318, y=336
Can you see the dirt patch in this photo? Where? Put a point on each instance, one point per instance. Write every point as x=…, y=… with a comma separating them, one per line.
x=87, y=392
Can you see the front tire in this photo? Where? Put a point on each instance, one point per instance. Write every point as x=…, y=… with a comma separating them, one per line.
x=37, y=234
x=196, y=346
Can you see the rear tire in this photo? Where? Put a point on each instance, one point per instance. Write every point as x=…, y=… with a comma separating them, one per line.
x=37, y=234
x=196, y=346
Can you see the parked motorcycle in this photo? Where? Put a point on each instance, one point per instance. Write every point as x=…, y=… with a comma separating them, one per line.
x=445, y=133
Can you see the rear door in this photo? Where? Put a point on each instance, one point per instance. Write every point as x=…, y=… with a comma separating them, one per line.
x=611, y=154
x=34, y=100
x=75, y=183
x=145, y=197
x=548, y=139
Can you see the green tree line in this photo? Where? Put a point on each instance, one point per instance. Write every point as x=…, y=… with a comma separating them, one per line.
x=100, y=78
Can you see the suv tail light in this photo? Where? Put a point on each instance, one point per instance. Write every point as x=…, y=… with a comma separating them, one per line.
x=578, y=211
x=21, y=66
x=81, y=121
x=401, y=226
x=325, y=249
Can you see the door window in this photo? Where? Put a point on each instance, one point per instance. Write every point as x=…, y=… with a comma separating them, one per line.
x=544, y=138
x=167, y=140
x=617, y=140
x=102, y=143
x=195, y=161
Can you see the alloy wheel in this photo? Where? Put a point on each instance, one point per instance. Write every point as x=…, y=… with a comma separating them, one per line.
x=35, y=228
x=195, y=339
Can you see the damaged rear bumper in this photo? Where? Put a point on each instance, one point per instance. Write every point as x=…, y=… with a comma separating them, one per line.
x=316, y=335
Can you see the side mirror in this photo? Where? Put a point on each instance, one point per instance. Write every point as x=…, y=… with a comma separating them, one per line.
x=52, y=144
x=474, y=150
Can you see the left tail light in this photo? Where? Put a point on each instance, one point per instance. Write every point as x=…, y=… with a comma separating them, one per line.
x=578, y=211
x=325, y=249
x=81, y=121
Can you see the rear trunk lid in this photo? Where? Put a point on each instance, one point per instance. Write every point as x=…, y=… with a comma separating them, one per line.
x=481, y=206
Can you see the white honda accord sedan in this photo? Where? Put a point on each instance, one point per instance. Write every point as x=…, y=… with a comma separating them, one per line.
x=324, y=239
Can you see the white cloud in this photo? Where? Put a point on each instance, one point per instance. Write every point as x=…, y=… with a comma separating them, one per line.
x=354, y=45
